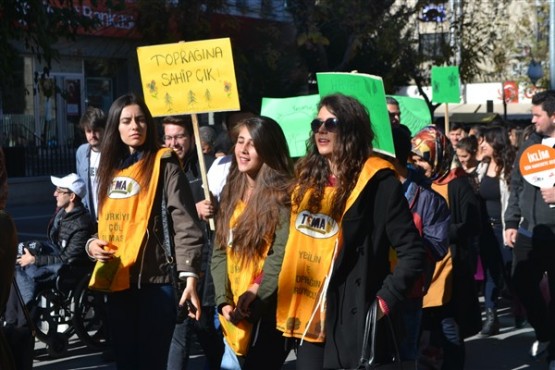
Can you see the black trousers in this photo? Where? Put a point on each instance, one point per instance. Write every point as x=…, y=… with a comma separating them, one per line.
x=534, y=257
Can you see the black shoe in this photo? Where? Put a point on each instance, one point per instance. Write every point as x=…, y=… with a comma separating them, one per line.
x=491, y=325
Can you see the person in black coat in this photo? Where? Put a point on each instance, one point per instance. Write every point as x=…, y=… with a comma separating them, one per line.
x=68, y=232
x=348, y=211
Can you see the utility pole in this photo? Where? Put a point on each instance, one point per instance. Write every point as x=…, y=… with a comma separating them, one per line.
x=456, y=35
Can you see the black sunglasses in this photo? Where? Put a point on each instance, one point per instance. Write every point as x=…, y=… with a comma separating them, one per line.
x=330, y=124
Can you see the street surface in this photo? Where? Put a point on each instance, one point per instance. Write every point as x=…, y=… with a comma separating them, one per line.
x=506, y=351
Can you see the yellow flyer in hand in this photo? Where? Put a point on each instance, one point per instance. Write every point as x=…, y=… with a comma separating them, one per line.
x=189, y=77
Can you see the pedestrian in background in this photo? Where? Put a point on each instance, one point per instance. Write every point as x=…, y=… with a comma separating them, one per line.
x=451, y=307
x=494, y=173
x=134, y=174
x=87, y=157
x=530, y=231
x=178, y=135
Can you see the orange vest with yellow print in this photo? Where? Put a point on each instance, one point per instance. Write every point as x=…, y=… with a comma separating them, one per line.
x=314, y=242
x=241, y=277
x=441, y=287
x=123, y=221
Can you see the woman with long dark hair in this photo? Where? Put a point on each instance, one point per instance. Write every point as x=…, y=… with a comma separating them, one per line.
x=348, y=209
x=135, y=176
x=494, y=173
x=251, y=231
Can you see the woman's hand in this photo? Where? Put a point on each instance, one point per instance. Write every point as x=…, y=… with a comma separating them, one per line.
x=227, y=313
x=100, y=251
x=245, y=300
x=190, y=294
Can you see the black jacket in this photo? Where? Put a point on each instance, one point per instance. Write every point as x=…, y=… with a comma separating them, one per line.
x=69, y=232
x=379, y=218
x=526, y=208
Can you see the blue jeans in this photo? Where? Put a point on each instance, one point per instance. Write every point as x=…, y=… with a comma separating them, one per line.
x=141, y=325
x=230, y=361
x=27, y=277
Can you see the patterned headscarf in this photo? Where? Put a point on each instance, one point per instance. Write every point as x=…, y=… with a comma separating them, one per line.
x=433, y=147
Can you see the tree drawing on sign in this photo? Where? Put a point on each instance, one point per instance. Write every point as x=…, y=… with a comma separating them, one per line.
x=452, y=80
x=436, y=86
x=191, y=97
x=227, y=88
x=169, y=102
x=152, y=89
x=208, y=96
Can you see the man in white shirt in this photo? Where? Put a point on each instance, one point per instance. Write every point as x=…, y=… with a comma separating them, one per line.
x=88, y=155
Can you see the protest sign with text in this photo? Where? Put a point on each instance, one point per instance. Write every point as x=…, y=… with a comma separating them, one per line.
x=189, y=77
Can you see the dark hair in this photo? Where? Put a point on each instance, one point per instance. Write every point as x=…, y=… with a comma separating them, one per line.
x=255, y=227
x=183, y=121
x=478, y=128
x=93, y=119
x=391, y=101
x=503, y=151
x=402, y=143
x=353, y=145
x=115, y=151
x=469, y=143
x=547, y=101
x=456, y=126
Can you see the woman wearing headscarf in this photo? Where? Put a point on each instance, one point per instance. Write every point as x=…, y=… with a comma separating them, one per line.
x=451, y=308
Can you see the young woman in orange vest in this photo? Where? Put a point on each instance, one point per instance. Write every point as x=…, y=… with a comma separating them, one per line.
x=135, y=174
x=251, y=232
x=348, y=209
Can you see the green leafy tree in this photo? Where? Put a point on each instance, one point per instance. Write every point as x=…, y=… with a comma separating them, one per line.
x=377, y=37
x=37, y=25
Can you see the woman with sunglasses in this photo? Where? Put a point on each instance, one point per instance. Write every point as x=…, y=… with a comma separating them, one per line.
x=251, y=232
x=135, y=176
x=348, y=209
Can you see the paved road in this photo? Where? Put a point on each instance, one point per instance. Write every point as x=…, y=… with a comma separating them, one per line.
x=506, y=351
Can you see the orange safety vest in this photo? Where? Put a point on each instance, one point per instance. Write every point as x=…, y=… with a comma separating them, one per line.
x=441, y=287
x=241, y=277
x=123, y=221
x=314, y=242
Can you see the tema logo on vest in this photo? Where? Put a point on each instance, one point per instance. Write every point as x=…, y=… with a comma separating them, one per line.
x=123, y=187
x=317, y=226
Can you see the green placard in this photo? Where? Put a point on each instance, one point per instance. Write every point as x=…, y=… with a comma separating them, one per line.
x=370, y=92
x=294, y=116
x=446, y=85
x=415, y=113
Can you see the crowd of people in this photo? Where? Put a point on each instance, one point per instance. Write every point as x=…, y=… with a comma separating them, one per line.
x=306, y=255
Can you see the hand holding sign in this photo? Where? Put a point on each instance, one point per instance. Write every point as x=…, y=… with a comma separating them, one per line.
x=537, y=165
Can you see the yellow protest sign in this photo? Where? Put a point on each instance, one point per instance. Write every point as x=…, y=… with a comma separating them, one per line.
x=188, y=77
